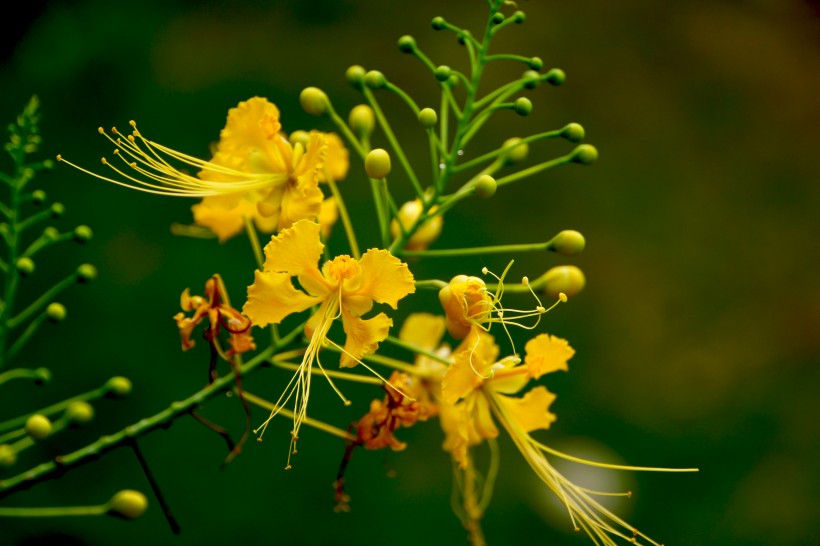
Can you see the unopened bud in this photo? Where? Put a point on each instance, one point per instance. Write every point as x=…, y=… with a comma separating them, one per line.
x=25, y=266
x=86, y=273
x=566, y=279
x=56, y=312
x=519, y=17
x=377, y=163
x=536, y=63
x=573, y=132
x=38, y=197
x=485, y=186
x=128, y=504
x=57, y=210
x=301, y=137
x=514, y=151
x=362, y=120
x=375, y=79
x=79, y=412
x=38, y=426
x=523, y=106
x=428, y=117
x=407, y=44
x=438, y=23
x=585, y=154
x=355, y=76
x=443, y=72
x=314, y=101
x=7, y=455
x=569, y=243
x=556, y=76
x=531, y=79
x=498, y=18
x=118, y=386
x=83, y=234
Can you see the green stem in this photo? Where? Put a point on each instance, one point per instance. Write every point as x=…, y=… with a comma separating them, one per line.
x=43, y=242
x=343, y=127
x=535, y=169
x=42, y=301
x=25, y=512
x=253, y=237
x=38, y=375
x=495, y=153
x=56, y=408
x=430, y=284
x=27, y=334
x=416, y=350
x=403, y=96
x=351, y=235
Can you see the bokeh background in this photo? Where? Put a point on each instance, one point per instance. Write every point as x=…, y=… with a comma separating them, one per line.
x=697, y=335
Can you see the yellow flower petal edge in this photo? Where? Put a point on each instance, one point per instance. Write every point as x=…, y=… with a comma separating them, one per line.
x=546, y=353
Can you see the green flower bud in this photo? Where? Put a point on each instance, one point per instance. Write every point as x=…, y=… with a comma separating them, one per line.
x=355, y=76
x=515, y=152
x=38, y=197
x=56, y=312
x=485, y=186
x=442, y=73
x=314, y=101
x=523, y=106
x=428, y=117
x=48, y=164
x=536, y=63
x=519, y=17
x=531, y=78
x=498, y=18
x=573, y=132
x=301, y=137
x=57, y=210
x=453, y=81
x=43, y=375
x=51, y=233
x=407, y=44
x=377, y=163
x=7, y=455
x=438, y=23
x=563, y=279
x=128, y=504
x=556, y=76
x=569, y=243
x=118, y=386
x=25, y=266
x=375, y=79
x=38, y=426
x=86, y=273
x=83, y=234
x=585, y=154
x=79, y=412
x=362, y=120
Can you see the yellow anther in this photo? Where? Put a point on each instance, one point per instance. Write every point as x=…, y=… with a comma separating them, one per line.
x=525, y=281
x=133, y=164
x=131, y=138
x=484, y=270
x=113, y=130
x=541, y=309
x=117, y=152
x=104, y=161
x=59, y=157
x=562, y=297
x=101, y=130
x=348, y=402
x=133, y=124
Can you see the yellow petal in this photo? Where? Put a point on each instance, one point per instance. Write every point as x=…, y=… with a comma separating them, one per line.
x=295, y=251
x=453, y=421
x=328, y=214
x=253, y=124
x=384, y=278
x=482, y=420
x=300, y=201
x=363, y=336
x=472, y=363
x=224, y=222
x=336, y=159
x=272, y=297
x=531, y=412
x=546, y=353
x=424, y=330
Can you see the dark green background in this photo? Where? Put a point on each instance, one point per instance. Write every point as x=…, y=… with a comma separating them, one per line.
x=696, y=338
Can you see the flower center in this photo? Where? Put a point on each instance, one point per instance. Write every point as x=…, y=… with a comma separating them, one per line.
x=343, y=267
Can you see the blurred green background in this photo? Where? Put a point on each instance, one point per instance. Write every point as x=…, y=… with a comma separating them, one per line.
x=696, y=337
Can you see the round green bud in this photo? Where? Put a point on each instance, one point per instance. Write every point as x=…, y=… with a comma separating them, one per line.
x=51, y=233
x=556, y=76
x=523, y=106
x=118, y=386
x=25, y=266
x=585, y=154
x=79, y=412
x=569, y=243
x=442, y=73
x=498, y=18
x=362, y=120
x=83, y=234
x=438, y=23
x=56, y=312
x=302, y=137
x=407, y=44
x=7, y=455
x=57, y=210
x=564, y=279
x=462, y=36
x=485, y=186
x=42, y=375
x=48, y=164
x=314, y=101
x=453, y=81
x=377, y=163
x=573, y=132
x=38, y=426
x=355, y=76
x=514, y=151
x=428, y=117
x=128, y=504
x=531, y=79
x=38, y=197
x=519, y=17
x=86, y=273
x=536, y=63
x=375, y=79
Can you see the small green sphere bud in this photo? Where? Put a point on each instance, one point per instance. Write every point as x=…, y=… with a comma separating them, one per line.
x=48, y=164
x=523, y=106
x=362, y=120
x=50, y=233
x=407, y=44
x=556, y=76
x=83, y=234
x=485, y=186
x=531, y=78
x=57, y=210
x=56, y=312
x=7, y=455
x=453, y=81
x=443, y=72
x=118, y=386
x=128, y=504
x=42, y=375
x=79, y=412
x=38, y=197
x=515, y=152
x=377, y=163
x=38, y=426
x=519, y=17
x=573, y=132
x=585, y=154
x=302, y=137
x=569, y=243
x=355, y=76
x=428, y=117
x=25, y=266
x=566, y=279
x=86, y=273
x=536, y=63
x=438, y=23
x=498, y=18
x=375, y=79
x=314, y=101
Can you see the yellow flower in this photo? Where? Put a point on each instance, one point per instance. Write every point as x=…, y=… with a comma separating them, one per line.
x=426, y=234
x=467, y=304
x=337, y=160
x=227, y=222
x=343, y=287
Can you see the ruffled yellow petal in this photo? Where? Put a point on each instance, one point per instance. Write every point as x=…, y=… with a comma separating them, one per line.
x=296, y=250
x=531, y=412
x=328, y=214
x=363, y=336
x=472, y=364
x=253, y=124
x=272, y=297
x=424, y=330
x=337, y=159
x=384, y=278
x=224, y=222
x=300, y=201
x=546, y=353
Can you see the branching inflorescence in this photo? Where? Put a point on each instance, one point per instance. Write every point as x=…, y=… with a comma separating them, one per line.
x=261, y=180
